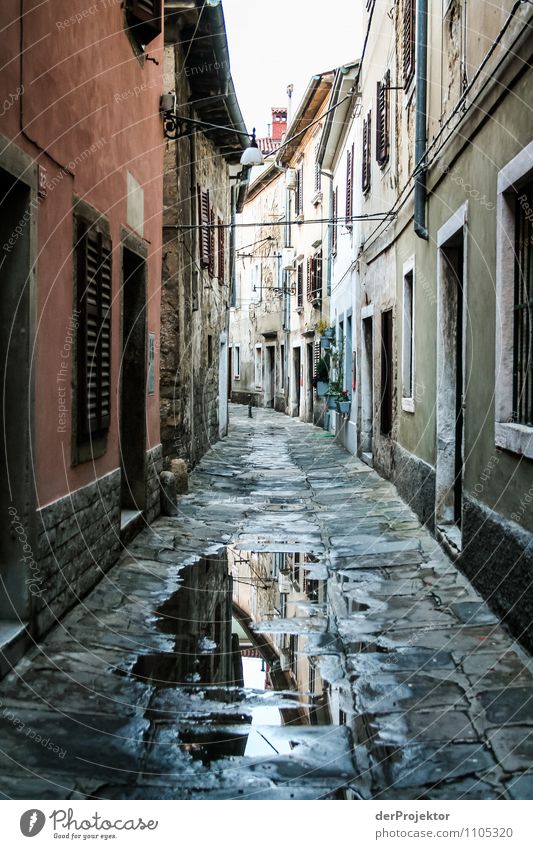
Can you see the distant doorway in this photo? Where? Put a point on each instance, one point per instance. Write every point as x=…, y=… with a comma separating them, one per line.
x=367, y=390
x=386, y=373
x=297, y=363
x=309, y=382
x=450, y=381
x=270, y=384
x=133, y=383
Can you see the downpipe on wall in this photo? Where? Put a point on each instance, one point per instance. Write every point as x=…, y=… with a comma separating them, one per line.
x=421, y=118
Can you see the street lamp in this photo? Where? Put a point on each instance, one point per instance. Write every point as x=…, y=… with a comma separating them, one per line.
x=177, y=126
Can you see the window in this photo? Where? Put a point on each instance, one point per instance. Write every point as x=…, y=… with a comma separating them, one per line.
x=335, y=225
x=318, y=175
x=93, y=294
x=514, y=323
x=204, y=219
x=256, y=293
x=209, y=350
x=408, y=40
x=523, y=308
x=211, y=264
x=300, y=285
x=314, y=277
x=144, y=19
x=282, y=367
x=408, y=352
x=349, y=187
x=383, y=120
x=237, y=362
x=299, y=196
x=367, y=153
x=221, y=252
x=258, y=367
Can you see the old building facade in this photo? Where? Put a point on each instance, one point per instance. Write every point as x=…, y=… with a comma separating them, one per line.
x=80, y=166
x=202, y=193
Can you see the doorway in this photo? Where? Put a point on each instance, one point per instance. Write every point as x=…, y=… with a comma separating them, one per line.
x=367, y=390
x=309, y=382
x=16, y=500
x=271, y=376
x=297, y=362
x=450, y=385
x=387, y=376
x=133, y=385
x=230, y=371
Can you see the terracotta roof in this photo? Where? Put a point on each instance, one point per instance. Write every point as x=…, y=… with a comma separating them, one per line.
x=268, y=145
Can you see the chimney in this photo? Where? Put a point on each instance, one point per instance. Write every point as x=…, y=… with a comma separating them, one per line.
x=279, y=122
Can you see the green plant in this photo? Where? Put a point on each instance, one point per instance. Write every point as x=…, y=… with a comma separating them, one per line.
x=322, y=326
x=322, y=368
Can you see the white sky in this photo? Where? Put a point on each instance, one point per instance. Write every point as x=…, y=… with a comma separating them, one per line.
x=276, y=42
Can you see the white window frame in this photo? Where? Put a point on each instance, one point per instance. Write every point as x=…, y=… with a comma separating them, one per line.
x=258, y=360
x=508, y=435
x=408, y=401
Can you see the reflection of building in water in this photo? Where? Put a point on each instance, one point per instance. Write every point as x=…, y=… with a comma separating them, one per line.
x=270, y=586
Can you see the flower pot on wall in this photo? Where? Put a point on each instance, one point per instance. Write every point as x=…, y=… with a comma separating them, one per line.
x=321, y=388
x=331, y=401
x=344, y=406
x=329, y=333
x=325, y=342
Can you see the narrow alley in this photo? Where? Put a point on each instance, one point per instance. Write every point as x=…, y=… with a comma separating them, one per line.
x=432, y=697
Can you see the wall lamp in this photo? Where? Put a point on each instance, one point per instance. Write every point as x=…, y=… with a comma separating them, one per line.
x=177, y=126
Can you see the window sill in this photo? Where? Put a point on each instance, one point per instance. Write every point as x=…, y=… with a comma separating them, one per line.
x=317, y=199
x=514, y=437
x=408, y=405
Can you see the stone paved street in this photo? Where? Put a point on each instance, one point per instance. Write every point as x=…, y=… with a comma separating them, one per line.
x=437, y=698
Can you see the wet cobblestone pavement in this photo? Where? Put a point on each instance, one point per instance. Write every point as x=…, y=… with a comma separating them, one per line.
x=436, y=699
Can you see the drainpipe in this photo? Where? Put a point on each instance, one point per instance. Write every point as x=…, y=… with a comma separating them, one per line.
x=421, y=118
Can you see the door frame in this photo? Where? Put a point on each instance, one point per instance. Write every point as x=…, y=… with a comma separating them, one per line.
x=453, y=231
x=24, y=169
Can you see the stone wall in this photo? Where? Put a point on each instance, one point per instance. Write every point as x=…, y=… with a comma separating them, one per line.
x=154, y=467
x=78, y=541
x=415, y=481
x=497, y=558
x=194, y=304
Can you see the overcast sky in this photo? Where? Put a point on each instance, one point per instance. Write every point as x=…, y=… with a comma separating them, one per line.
x=276, y=42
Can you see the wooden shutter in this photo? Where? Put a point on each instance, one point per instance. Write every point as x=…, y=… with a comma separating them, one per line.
x=366, y=153
x=203, y=221
x=299, y=191
x=318, y=175
x=334, y=234
x=349, y=186
x=382, y=120
x=408, y=40
x=94, y=295
x=221, y=252
x=310, y=279
x=144, y=18
x=317, y=289
x=211, y=229
x=300, y=285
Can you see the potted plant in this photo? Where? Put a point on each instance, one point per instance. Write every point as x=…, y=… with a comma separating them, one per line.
x=326, y=333
x=343, y=402
x=332, y=395
x=322, y=376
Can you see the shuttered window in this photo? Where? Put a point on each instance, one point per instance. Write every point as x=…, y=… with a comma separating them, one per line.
x=349, y=186
x=221, y=252
x=383, y=120
x=408, y=40
x=366, y=153
x=523, y=310
x=310, y=278
x=212, y=239
x=318, y=175
x=204, y=221
x=94, y=294
x=300, y=285
x=299, y=191
x=334, y=225
x=144, y=18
